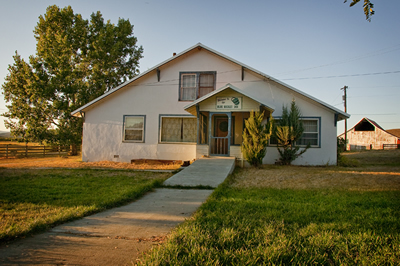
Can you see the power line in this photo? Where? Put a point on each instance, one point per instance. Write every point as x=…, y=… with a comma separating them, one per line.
x=345, y=76
x=160, y=83
x=381, y=95
x=376, y=114
x=374, y=53
x=363, y=87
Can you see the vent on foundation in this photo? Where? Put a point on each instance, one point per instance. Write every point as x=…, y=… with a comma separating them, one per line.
x=116, y=156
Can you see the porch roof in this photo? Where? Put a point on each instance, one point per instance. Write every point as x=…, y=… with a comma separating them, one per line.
x=191, y=108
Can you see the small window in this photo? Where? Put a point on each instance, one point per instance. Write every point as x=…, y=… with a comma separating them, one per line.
x=206, y=84
x=188, y=87
x=195, y=85
x=134, y=128
x=178, y=129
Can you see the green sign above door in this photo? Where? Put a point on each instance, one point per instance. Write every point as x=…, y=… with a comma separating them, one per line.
x=229, y=103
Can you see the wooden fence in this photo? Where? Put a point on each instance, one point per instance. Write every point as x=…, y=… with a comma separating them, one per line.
x=20, y=151
x=391, y=146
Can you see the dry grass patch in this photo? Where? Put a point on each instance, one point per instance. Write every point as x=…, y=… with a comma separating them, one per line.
x=76, y=162
x=296, y=177
x=379, y=170
x=2, y=142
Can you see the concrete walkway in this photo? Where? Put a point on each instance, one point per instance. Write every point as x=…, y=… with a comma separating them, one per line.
x=120, y=235
x=204, y=172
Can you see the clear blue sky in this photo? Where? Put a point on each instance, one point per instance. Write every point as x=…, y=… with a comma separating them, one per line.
x=316, y=46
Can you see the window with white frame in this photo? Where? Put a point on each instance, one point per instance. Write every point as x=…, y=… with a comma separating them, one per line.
x=194, y=85
x=134, y=128
x=175, y=129
x=310, y=135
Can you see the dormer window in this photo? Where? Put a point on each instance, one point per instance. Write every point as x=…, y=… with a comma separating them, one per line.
x=193, y=85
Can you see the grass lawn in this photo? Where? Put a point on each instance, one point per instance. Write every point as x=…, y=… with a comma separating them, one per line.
x=33, y=200
x=281, y=215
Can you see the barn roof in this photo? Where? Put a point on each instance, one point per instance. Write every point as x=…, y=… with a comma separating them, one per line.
x=372, y=122
x=394, y=132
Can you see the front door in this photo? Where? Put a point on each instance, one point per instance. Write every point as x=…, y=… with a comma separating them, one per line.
x=220, y=138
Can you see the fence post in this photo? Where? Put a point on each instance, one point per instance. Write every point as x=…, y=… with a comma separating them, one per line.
x=59, y=150
x=26, y=150
x=6, y=151
x=44, y=150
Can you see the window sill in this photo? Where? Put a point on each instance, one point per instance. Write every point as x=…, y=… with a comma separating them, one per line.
x=276, y=146
x=182, y=143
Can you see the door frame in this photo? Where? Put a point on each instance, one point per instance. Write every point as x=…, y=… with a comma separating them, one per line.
x=211, y=133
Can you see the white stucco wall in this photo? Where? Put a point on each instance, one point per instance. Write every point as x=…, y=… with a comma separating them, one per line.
x=103, y=127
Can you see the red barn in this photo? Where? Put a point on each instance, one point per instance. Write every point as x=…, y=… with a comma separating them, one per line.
x=367, y=134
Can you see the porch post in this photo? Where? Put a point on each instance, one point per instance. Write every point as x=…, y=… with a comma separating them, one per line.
x=198, y=123
x=229, y=132
x=210, y=139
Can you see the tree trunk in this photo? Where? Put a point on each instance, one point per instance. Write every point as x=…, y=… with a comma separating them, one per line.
x=74, y=150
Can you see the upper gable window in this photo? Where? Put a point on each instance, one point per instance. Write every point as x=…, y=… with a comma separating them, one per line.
x=193, y=85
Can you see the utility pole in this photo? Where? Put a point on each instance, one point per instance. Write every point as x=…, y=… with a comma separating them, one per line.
x=345, y=110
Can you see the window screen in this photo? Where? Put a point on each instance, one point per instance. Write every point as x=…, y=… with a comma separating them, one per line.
x=134, y=128
x=188, y=87
x=178, y=129
x=310, y=134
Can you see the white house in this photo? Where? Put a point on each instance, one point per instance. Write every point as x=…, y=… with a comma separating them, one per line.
x=195, y=104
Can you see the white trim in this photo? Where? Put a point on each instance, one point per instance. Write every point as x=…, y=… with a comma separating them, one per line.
x=142, y=129
x=318, y=131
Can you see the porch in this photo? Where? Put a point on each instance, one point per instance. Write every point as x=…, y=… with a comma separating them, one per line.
x=221, y=117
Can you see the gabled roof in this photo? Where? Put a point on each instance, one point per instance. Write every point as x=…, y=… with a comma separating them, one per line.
x=341, y=114
x=372, y=122
x=365, y=119
x=228, y=86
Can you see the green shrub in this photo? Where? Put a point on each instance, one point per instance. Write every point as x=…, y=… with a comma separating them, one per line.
x=287, y=131
x=255, y=138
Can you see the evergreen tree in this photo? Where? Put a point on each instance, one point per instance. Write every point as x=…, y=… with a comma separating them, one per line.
x=76, y=61
x=287, y=131
x=255, y=138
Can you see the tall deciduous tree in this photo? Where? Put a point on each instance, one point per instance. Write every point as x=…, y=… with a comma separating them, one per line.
x=76, y=61
x=287, y=131
x=255, y=138
x=368, y=8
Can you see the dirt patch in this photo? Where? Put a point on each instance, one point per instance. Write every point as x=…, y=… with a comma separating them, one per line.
x=76, y=162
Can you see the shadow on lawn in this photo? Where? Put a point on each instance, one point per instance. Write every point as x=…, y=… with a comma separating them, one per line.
x=75, y=187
